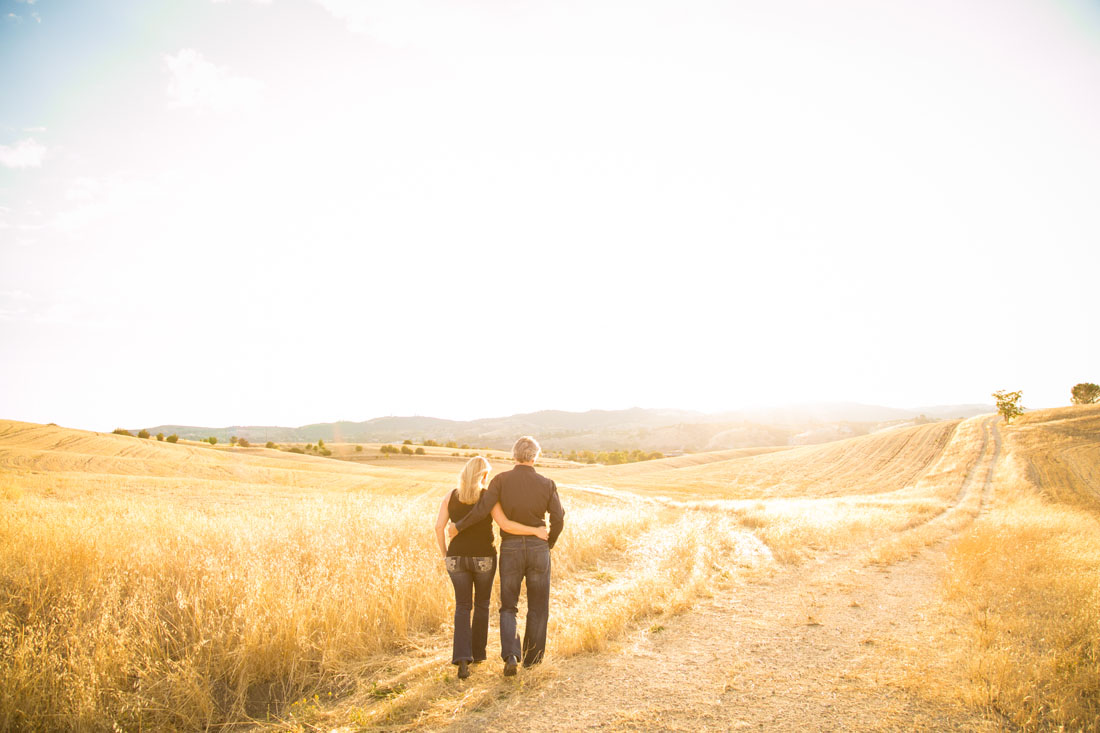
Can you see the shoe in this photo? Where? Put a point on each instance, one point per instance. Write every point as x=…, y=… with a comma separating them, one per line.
x=510, y=667
x=463, y=670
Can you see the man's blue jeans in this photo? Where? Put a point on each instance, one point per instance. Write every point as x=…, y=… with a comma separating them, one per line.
x=524, y=558
x=472, y=578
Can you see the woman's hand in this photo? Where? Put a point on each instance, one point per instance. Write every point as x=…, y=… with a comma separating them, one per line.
x=515, y=527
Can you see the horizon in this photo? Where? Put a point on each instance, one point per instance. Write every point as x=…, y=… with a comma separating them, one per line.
x=732, y=411
x=249, y=212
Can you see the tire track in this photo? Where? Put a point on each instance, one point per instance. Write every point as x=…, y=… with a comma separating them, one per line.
x=813, y=642
x=987, y=488
x=965, y=506
x=974, y=494
x=975, y=500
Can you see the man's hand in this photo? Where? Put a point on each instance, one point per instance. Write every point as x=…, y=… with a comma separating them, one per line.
x=542, y=534
x=452, y=530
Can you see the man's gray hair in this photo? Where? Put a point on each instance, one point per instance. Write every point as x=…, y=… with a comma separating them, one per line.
x=526, y=450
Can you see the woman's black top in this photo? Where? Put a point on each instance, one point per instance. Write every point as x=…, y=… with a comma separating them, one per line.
x=474, y=541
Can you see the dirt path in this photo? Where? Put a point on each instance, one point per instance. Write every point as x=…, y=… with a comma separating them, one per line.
x=821, y=646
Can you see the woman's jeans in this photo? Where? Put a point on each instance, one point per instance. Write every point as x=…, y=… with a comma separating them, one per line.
x=472, y=578
x=524, y=558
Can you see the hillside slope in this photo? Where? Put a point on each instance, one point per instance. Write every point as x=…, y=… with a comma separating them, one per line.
x=869, y=464
x=1059, y=450
x=66, y=460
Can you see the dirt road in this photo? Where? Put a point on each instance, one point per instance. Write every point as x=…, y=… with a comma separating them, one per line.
x=838, y=643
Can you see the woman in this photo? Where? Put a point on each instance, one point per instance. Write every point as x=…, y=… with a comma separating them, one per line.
x=472, y=562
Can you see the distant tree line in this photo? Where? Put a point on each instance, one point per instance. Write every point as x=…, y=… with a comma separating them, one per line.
x=405, y=449
x=319, y=449
x=145, y=434
x=610, y=458
x=607, y=458
x=436, y=444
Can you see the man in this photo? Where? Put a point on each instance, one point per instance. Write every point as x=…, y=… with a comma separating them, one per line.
x=526, y=497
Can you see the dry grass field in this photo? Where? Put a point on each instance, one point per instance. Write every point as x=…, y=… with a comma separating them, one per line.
x=937, y=576
x=1027, y=576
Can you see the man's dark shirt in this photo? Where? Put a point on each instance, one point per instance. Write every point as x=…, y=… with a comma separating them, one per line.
x=526, y=497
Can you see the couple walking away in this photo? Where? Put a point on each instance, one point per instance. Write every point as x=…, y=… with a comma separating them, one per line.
x=518, y=500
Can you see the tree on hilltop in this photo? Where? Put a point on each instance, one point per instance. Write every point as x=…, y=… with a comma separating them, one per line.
x=1085, y=393
x=1008, y=404
x=212, y=440
x=122, y=431
x=172, y=438
x=160, y=436
x=143, y=433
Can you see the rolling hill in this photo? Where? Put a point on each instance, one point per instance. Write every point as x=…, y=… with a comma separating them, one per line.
x=876, y=463
x=647, y=429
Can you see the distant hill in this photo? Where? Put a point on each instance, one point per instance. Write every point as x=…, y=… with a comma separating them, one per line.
x=649, y=429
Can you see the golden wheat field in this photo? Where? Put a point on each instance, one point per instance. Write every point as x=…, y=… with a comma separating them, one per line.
x=150, y=586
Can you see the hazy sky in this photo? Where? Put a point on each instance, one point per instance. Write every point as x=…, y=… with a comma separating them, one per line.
x=307, y=210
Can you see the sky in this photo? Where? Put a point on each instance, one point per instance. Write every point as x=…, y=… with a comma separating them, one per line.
x=298, y=211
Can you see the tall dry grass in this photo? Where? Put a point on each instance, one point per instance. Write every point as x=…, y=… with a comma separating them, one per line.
x=1026, y=576
x=126, y=609
x=155, y=616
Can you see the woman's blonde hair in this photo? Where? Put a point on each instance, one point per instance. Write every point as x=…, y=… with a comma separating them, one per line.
x=469, y=483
